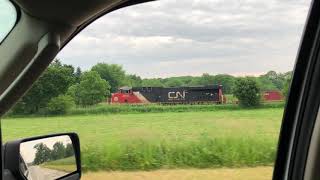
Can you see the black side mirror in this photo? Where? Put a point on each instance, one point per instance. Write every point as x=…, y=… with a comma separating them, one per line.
x=48, y=157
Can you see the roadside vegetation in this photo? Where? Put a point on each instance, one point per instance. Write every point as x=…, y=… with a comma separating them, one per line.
x=241, y=133
x=63, y=89
x=125, y=109
x=146, y=141
x=106, y=109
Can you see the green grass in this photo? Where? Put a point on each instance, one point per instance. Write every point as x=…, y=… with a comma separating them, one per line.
x=103, y=109
x=158, y=108
x=144, y=141
x=66, y=164
x=231, y=99
x=65, y=161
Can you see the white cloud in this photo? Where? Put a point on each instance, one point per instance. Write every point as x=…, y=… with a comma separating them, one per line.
x=167, y=37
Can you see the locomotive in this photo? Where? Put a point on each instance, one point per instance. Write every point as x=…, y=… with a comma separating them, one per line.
x=170, y=95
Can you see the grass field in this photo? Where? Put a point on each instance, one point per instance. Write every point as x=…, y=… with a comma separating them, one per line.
x=231, y=99
x=107, y=109
x=145, y=141
x=66, y=164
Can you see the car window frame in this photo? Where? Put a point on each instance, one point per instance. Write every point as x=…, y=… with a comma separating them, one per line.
x=292, y=104
x=18, y=16
x=299, y=116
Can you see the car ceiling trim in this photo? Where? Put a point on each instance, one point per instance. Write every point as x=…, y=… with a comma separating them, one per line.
x=297, y=99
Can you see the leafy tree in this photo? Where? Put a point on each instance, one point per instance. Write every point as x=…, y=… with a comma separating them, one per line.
x=91, y=90
x=19, y=108
x=276, y=79
x=285, y=90
x=112, y=73
x=185, y=80
x=133, y=80
x=78, y=74
x=152, y=83
x=207, y=79
x=69, y=150
x=174, y=83
x=54, y=81
x=194, y=81
x=73, y=92
x=60, y=105
x=247, y=91
x=287, y=75
x=58, y=151
x=266, y=84
x=43, y=154
x=227, y=82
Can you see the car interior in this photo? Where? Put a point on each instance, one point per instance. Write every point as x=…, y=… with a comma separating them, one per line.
x=44, y=27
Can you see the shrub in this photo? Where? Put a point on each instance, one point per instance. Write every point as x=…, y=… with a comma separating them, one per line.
x=60, y=105
x=203, y=153
x=247, y=91
x=19, y=109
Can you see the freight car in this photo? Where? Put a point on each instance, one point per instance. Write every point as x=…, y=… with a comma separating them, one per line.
x=273, y=95
x=174, y=95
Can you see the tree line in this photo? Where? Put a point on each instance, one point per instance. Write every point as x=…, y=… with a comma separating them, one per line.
x=45, y=154
x=63, y=86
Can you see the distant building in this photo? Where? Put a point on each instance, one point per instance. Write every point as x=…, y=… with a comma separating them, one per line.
x=273, y=95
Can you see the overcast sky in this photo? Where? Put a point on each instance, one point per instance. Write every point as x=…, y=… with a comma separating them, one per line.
x=192, y=37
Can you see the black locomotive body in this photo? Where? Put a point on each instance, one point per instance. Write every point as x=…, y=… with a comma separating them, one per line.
x=182, y=95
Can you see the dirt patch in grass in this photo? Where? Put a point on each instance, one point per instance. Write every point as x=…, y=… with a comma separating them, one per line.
x=257, y=173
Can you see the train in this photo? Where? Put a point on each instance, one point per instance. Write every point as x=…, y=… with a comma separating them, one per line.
x=169, y=95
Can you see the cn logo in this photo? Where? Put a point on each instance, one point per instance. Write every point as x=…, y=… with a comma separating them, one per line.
x=177, y=95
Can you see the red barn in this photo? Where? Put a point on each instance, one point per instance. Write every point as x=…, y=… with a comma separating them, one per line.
x=272, y=95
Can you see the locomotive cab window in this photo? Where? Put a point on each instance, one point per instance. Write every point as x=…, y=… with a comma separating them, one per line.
x=162, y=90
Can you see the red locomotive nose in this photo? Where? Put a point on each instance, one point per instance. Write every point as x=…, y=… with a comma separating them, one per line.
x=125, y=96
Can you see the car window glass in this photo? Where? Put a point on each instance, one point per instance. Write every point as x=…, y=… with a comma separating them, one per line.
x=8, y=17
x=166, y=90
